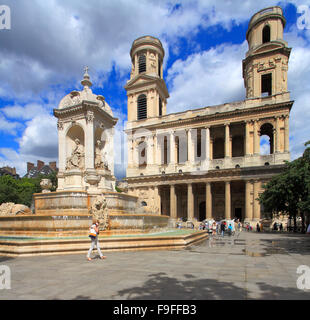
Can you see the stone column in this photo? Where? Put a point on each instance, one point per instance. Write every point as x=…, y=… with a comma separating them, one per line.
x=208, y=201
x=227, y=200
x=190, y=202
x=135, y=155
x=130, y=151
x=277, y=142
x=157, y=199
x=173, y=202
x=61, y=146
x=207, y=143
x=149, y=153
x=248, y=201
x=247, y=138
x=211, y=148
x=172, y=147
x=157, y=149
x=256, y=138
x=227, y=142
x=286, y=134
x=89, y=141
x=256, y=213
x=189, y=146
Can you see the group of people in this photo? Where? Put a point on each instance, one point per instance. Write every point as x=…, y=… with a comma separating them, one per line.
x=222, y=227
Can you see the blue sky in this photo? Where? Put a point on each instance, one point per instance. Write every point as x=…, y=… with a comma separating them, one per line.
x=50, y=42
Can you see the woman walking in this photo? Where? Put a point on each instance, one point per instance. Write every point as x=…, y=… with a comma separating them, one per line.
x=93, y=234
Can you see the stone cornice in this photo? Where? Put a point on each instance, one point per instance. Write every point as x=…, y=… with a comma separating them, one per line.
x=260, y=172
x=225, y=116
x=83, y=107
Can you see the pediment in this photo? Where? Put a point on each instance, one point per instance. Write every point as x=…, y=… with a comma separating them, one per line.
x=141, y=80
x=268, y=47
x=146, y=80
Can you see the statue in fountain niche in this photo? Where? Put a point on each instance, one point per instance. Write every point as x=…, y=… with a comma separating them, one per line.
x=100, y=162
x=76, y=160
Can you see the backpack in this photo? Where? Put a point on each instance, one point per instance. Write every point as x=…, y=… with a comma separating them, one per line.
x=92, y=232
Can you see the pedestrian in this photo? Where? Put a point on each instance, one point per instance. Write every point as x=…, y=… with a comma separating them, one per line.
x=93, y=234
x=236, y=224
x=230, y=229
x=240, y=226
x=281, y=227
x=222, y=228
x=308, y=230
x=214, y=228
x=257, y=227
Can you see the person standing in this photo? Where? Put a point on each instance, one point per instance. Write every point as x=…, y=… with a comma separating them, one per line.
x=281, y=227
x=257, y=227
x=222, y=228
x=214, y=228
x=93, y=234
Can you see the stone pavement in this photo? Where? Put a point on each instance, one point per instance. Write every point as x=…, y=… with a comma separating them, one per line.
x=245, y=266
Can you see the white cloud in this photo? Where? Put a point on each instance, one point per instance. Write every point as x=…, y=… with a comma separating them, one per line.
x=40, y=137
x=9, y=127
x=38, y=142
x=27, y=112
x=207, y=78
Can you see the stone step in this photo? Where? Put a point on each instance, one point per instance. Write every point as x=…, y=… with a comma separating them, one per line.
x=19, y=246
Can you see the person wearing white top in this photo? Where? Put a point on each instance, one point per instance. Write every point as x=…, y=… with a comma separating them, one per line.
x=94, y=232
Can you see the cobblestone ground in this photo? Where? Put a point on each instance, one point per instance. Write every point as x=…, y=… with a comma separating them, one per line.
x=244, y=266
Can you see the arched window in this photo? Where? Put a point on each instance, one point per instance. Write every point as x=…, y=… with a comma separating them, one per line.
x=266, y=139
x=142, y=63
x=160, y=111
x=266, y=34
x=142, y=107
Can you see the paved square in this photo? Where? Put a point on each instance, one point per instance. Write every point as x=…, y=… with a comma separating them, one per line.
x=245, y=266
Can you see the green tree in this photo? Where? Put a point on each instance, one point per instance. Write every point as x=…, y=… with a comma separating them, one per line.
x=288, y=192
x=22, y=190
x=8, y=189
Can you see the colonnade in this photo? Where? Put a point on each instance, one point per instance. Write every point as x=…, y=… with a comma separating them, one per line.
x=251, y=193
x=155, y=144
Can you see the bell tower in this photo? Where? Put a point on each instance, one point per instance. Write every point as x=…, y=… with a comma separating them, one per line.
x=266, y=63
x=146, y=90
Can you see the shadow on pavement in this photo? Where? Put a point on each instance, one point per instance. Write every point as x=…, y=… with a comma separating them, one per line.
x=162, y=287
x=4, y=258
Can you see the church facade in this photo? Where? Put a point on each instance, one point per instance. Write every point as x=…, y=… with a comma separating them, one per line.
x=207, y=163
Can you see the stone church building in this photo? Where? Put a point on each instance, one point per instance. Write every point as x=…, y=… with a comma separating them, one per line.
x=207, y=163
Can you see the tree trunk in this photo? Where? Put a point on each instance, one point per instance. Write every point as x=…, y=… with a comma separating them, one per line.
x=303, y=222
x=295, y=223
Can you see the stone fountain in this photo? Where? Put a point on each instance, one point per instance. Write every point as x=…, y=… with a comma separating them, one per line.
x=86, y=174
x=86, y=190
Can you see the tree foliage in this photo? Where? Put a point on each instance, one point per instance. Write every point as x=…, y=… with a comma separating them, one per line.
x=289, y=192
x=20, y=191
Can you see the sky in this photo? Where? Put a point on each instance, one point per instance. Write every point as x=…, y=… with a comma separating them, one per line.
x=48, y=44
